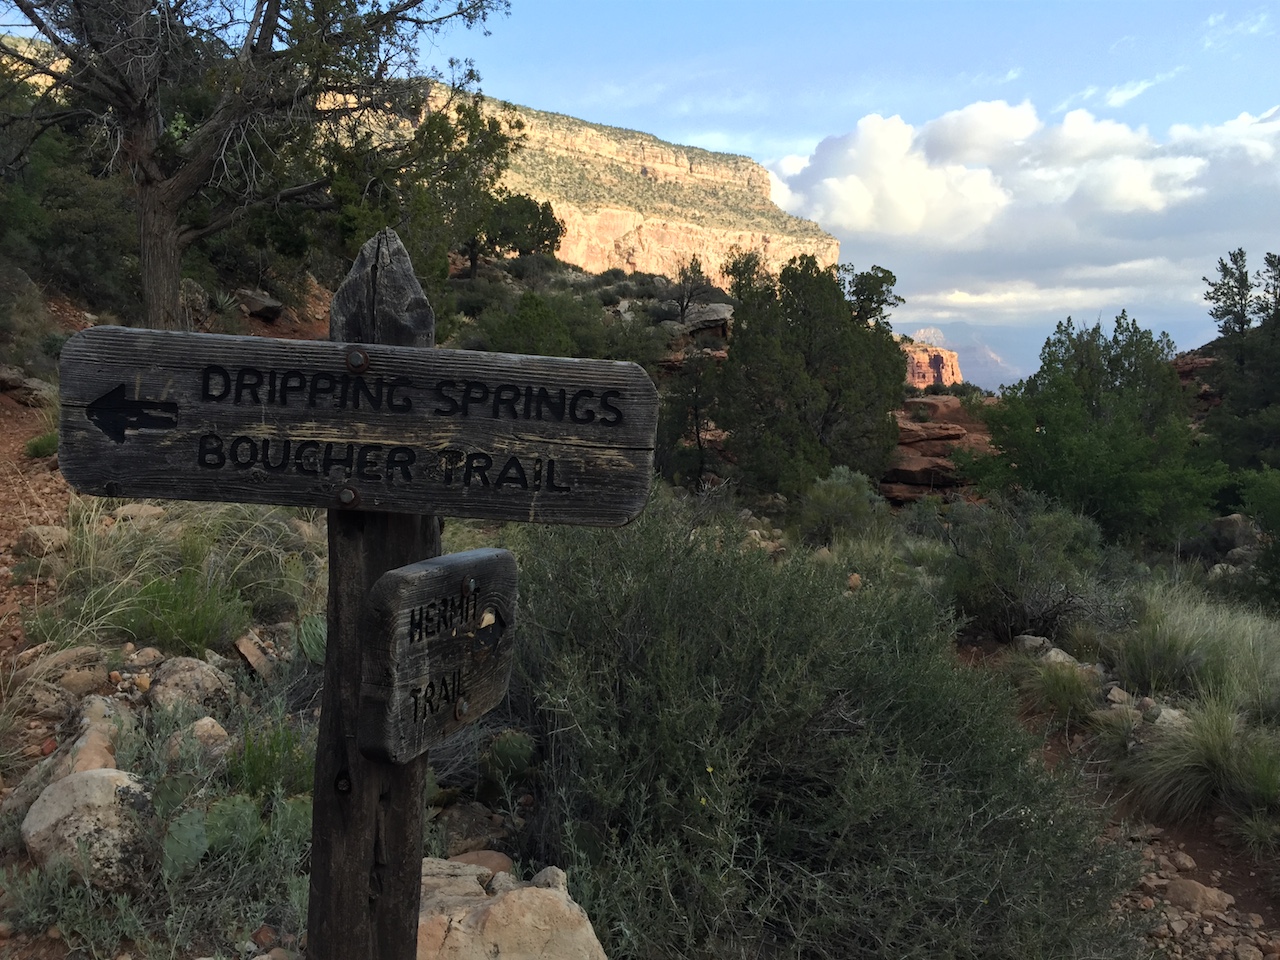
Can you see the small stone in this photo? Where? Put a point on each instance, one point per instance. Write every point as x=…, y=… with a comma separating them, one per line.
x=1119, y=695
x=53, y=933
x=114, y=676
x=1058, y=655
x=146, y=657
x=128, y=648
x=1031, y=644
x=252, y=649
x=264, y=936
x=1182, y=861
x=1247, y=951
x=1196, y=897
x=138, y=513
x=48, y=747
x=1255, y=920
x=1146, y=903
x=42, y=541
x=6, y=929
x=143, y=682
x=855, y=582
x=551, y=878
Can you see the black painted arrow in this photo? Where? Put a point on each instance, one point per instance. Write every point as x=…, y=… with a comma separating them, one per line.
x=114, y=414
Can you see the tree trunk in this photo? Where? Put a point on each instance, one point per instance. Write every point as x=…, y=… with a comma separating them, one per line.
x=161, y=258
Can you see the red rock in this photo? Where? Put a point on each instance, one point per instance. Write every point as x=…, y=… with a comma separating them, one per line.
x=928, y=365
x=48, y=747
x=908, y=467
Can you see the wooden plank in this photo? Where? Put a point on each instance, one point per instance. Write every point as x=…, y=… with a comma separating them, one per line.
x=194, y=416
x=366, y=832
x=438, y=654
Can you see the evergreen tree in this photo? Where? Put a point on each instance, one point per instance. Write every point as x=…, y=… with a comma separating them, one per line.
x=812, y=374
x=1247, y=374
x=1103, y=427
x=1231, y=296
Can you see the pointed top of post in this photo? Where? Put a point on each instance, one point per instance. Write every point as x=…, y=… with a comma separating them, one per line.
x=381, y=301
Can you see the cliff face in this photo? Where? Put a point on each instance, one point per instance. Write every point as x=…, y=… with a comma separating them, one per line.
x=928, y=365
x=632, y=201
x=930, y=429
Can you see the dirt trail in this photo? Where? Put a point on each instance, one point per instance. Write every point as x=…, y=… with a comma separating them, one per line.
x=35, y=493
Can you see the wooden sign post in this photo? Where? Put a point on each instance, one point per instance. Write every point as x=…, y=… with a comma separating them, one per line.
x=388, y=435
x=366, y=821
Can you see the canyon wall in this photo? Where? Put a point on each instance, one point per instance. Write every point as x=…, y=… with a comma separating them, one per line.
x=631, y=201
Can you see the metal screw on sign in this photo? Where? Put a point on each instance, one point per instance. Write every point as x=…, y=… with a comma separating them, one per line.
x=349, y=496
x=357, y=360
x=461, y=709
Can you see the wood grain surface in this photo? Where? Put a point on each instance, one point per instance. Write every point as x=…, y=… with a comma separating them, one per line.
x=438, y=652
x=356, y=426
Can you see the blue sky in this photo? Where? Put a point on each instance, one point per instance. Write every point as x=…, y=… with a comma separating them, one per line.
x=1012, y=162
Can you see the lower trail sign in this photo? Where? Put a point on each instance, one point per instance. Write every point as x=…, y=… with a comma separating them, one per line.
x=388, y=435
x=439, y=650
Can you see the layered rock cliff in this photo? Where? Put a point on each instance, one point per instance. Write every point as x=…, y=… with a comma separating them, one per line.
x=928, y=365
x=632, y=201
x=930, y=430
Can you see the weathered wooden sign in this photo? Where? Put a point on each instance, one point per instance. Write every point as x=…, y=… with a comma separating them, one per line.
x=356, y=426
x=438, y=652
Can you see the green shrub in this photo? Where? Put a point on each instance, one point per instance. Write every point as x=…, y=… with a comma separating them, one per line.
x=185, y=614
x=838, y=505
x=1183, y=643
x=530, y=326
x=740, y=759
x=476, y=296
x=45, y=445
x=272, y=758
x=1186, y=768
x=1020, y=565
x=1062, y=690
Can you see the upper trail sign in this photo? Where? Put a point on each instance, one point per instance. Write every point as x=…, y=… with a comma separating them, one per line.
x=366, y=427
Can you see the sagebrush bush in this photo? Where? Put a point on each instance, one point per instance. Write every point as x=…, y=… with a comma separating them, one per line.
x=839, y=505
x=739, y=760
x=1019, y=564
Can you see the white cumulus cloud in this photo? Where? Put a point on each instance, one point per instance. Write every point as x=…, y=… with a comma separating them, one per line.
x=993, y=214
x=879, y=178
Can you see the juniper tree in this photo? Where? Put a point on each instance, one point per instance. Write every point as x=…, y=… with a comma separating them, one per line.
x=216, y=108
